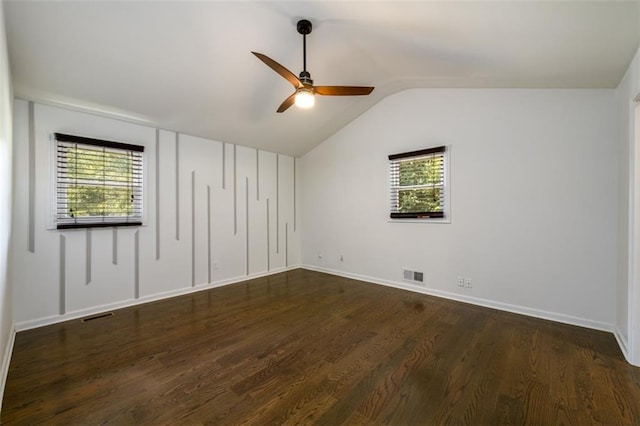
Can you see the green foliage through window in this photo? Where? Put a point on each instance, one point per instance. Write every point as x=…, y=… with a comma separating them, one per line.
x=419, y=200
x=418, y=184
x=423, y=181
x=102, y=184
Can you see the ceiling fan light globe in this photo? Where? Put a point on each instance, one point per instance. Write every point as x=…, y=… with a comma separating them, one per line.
x=305, y=99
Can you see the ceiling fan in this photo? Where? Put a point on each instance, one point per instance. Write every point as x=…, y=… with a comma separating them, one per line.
x=304, y=96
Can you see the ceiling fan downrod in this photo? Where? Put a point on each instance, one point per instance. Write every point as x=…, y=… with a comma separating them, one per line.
x=304, y=27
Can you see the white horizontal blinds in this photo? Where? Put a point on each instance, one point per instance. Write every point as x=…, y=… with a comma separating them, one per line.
x=417, y=183
x=99, y=183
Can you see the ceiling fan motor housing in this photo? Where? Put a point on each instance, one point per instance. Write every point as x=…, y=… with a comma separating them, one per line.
x=305, y=77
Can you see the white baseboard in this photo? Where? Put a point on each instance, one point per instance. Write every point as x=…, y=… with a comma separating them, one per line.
x=54, y=319
x=6, y=360
x=622, y=342
x=522, y=310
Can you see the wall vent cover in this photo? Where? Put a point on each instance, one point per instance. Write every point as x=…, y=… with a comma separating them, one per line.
x=98, y=316
x=413, y=276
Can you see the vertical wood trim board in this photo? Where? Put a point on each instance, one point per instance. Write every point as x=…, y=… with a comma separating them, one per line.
x=136, y=264
x=224, y=164
x=88, y=257
x=246, y=222
x=31, y=239
x=268, y=240
x=177, y=186
x=193, y=228
x=235, y=193
x=277, y=203
x=63, y=274
x=294, y=194
x=286, y=244
x=209, y=234
x=157, y=183
x=114, y=245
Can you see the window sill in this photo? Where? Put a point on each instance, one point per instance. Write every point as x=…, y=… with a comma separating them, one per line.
x=103, y=226
x=425, y=220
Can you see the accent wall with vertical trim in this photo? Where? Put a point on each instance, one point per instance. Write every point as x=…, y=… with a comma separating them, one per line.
x=199, y=231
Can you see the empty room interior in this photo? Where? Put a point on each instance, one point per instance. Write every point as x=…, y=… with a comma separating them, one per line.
x=320, y=212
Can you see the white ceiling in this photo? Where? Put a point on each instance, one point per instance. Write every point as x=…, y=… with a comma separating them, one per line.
x=187, y=66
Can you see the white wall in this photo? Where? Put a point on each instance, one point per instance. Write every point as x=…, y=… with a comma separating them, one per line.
x=533, y=198
x=6, y=178
x=628, y=278
x=202, y=228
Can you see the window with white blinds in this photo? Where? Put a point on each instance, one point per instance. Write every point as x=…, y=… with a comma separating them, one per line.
x=98, y=182
x=418, y=184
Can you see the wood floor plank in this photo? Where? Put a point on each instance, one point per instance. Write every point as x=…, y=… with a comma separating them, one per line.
x=303, y=347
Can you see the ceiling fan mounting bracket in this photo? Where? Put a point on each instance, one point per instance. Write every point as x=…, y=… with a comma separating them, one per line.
x=304, y=27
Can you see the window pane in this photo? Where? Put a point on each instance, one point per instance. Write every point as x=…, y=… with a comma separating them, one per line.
x=425, y=171
x=85, y=200
x=420, y=200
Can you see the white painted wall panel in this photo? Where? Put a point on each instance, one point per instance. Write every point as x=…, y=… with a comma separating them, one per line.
x=227, y=248
x=277, y=257
x=286, y=198
x=257, y=217
x=245, y=191
x=107, y=283
x=39, y=269
x=268, y=197
x=201, y=159
x=295, y=237
x=172, y=269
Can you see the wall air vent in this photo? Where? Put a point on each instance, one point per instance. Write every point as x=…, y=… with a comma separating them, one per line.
x=98, y=316
x=413, y=276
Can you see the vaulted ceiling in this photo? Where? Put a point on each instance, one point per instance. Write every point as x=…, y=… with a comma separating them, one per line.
x=187, y=66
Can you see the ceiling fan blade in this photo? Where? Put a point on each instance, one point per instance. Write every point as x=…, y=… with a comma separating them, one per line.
x=287, y=103
x=288, y=75
x=342, y=90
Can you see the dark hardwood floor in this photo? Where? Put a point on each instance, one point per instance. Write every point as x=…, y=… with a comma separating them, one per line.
x=303, y=347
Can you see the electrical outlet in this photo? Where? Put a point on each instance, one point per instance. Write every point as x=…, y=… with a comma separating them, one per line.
x=215, y=266
x=341, y=258
x=467, y=283
x=460, y=281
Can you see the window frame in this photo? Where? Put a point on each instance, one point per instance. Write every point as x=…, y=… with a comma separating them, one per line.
x=422, y=217
x=101, y=221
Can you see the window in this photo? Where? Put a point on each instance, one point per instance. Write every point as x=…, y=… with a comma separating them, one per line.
x=98, y=183
x=418, y=184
